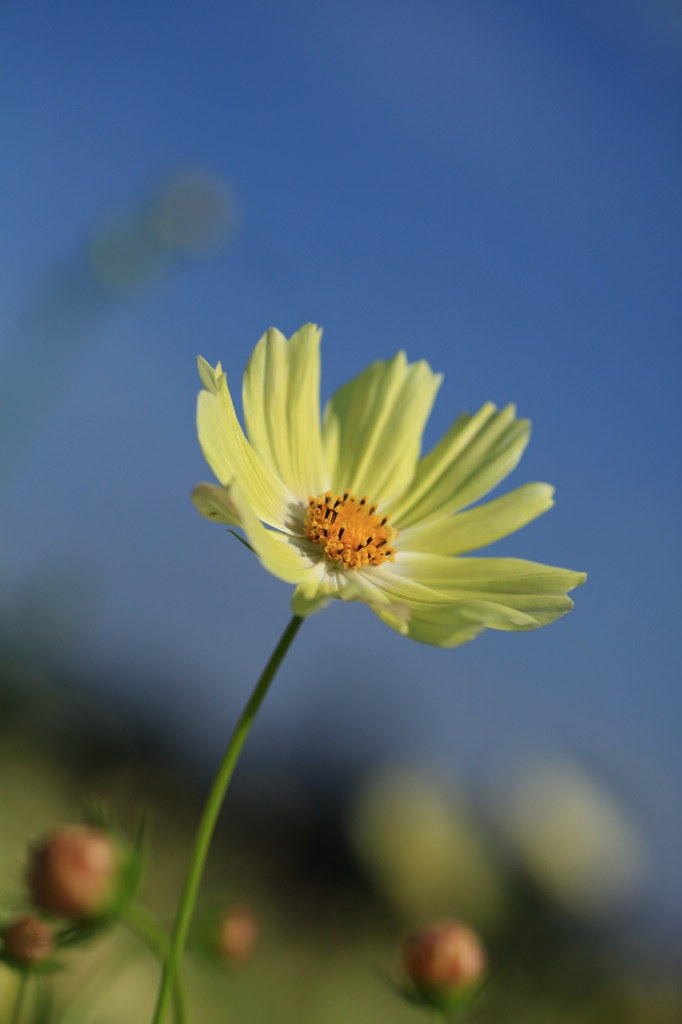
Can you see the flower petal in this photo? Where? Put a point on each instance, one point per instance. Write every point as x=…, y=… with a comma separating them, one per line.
x=528, y=590
x=308, y=599
x=281, y=554
x=479, y=526
x=476, y=453
x=373, y=427
x=331, y=580
x=230, y=455
x=215, y=502
x=417, y=611
x=315, y=592
x=412, y=609
x=449, y=627
x=281, y=398
x=449, y=601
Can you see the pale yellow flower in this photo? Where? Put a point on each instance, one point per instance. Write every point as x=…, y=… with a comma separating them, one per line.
x=346, y=507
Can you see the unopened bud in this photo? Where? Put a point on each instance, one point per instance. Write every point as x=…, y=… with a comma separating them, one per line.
x=445, y=961
x=235, y=936
x=75, y=872
x=29, y=940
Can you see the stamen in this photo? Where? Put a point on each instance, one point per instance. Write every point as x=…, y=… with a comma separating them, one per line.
x=349, y=530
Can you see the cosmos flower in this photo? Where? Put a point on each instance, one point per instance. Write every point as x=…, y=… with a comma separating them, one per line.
x=346, y=507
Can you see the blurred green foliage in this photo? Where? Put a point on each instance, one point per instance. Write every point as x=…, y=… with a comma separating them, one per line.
x=334, y=880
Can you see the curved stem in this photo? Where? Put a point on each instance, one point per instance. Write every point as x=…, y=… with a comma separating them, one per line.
x=210, y=816
x=147, y=928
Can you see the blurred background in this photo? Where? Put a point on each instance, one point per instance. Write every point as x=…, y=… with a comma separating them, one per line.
x=494, y=189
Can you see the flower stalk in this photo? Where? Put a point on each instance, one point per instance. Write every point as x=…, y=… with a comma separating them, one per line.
x=21, y=998
x=147, y=928
x=209, y=818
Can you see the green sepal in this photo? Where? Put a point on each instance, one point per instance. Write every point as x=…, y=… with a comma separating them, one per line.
x=450, y=1004
x=131, y=868
x=46, y=966
x=77, y=934
x=242, y=541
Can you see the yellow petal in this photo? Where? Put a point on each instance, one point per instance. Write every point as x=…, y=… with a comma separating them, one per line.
x=308, y=599
x=315, y=592
x=281, y=398
x=412, y=609
x=479, y=526
x=452, y=624
x=230, y=455
x=215, y=503
x=536, y=592
x=450, y=627
x=282, y=554
x=329, y=580
x=448, y=601
x=373, y=427
x=476, y=453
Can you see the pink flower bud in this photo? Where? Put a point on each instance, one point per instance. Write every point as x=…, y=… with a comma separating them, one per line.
x=444, y=960
x=75, y=872
x=28, y=940
x=236, y=935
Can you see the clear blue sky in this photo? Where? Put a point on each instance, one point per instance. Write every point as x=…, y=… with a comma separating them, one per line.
x=494, y=188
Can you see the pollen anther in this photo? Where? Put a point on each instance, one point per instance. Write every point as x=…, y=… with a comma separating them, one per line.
x=349, y=530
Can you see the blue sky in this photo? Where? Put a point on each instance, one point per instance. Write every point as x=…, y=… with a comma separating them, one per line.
x=494, y=188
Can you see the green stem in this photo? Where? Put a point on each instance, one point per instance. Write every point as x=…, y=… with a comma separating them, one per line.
x=209, y=818
x=150, y=931
x=21, y=996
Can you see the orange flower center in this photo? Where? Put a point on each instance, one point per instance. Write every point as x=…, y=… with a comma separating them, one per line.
x=349, y=530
